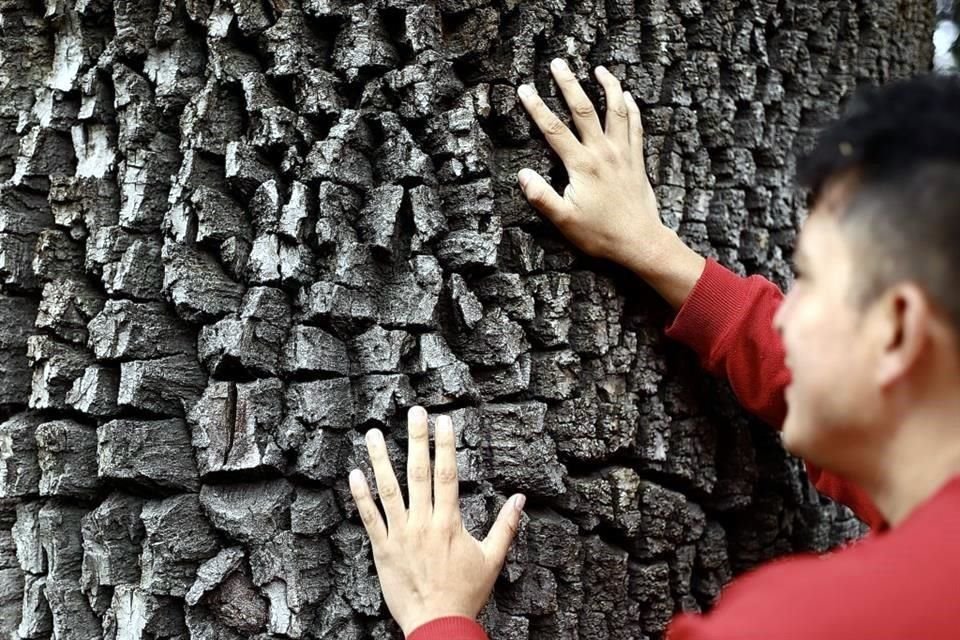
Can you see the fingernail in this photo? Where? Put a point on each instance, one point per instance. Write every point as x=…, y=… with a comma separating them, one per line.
x=356, y=476
x=559, y=65
x=418, y=412
x=445, y=423
x=523, y=177
x=525, y=91
x=374, y=436
x=601, y=70
x=519, y=501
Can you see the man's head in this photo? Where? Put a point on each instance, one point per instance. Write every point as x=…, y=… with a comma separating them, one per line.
x=872, y=324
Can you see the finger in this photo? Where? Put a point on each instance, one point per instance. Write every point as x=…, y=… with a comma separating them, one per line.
x=446, y=491
x=387, y=485
x=418, y=462
x=504, y=530
x=635, y=126
x=584, y=114
x=617, y=128
x=558, y=136
x=367, y=509
x=543, y=197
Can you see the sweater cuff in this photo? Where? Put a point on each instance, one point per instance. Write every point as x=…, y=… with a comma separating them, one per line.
x=449, y=628
x=714, y=306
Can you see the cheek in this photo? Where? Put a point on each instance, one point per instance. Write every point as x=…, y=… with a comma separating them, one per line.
x=819, y=332
x=819, y=348
x=826, y=371
x=804, y=333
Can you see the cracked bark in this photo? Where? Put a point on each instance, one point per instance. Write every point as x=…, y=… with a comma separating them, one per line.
x=236, y=234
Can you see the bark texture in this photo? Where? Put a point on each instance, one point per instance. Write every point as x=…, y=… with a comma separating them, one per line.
x=235, y=234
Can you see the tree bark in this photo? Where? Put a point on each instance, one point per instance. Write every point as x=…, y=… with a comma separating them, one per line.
x=235, y=234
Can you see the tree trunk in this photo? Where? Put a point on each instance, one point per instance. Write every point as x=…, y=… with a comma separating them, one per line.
x=235, y=234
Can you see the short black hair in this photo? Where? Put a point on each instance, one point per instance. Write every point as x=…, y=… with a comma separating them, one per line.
x=901, y=144
x=888, y=131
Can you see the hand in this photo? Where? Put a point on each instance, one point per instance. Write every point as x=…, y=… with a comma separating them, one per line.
x=428, y=563
x=609, y=209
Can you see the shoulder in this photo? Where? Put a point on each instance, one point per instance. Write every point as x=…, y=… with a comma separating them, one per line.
x=891, y=586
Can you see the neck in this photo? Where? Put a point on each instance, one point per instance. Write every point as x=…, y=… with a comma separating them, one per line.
x=921, y=457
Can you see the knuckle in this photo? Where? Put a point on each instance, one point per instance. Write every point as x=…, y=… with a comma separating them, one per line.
x=537, y=196
x=554, y=126
x=580, y=163
x=620, y=111
x=389, y=491
x=447, y=525
x=591, y=168
x=611, y=84
x=447, y=475
x=419, y=473
x=583, y=109
x=368, y=515
x=450, y=525
x=380, y=460
x=383, y=552
x=607, y=154
x=444, y=441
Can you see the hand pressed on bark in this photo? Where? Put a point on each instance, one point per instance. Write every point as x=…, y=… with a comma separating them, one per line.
x=423, y=552
x=609, y=209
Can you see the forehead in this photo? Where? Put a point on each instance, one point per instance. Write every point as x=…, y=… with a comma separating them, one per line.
x=822, y=242
x=821, y=232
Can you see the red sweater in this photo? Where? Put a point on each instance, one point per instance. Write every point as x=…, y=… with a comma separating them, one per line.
x=897, y=584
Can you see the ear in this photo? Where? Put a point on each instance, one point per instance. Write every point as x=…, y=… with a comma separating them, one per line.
x=904, y=327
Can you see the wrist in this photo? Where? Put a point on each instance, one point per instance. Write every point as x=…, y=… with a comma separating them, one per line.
x=666, y=263
x=646, y=252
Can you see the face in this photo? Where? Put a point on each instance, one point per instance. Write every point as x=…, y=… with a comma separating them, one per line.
x=829, y=353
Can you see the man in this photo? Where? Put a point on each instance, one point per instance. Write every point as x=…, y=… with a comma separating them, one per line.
x=864, y=376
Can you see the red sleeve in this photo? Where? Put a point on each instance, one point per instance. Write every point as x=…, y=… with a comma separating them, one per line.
x=450, y=628
x=728, y=321
x=803, y=597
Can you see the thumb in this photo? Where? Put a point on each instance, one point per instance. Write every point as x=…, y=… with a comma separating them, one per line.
x=542, y=196
x=504, y=530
